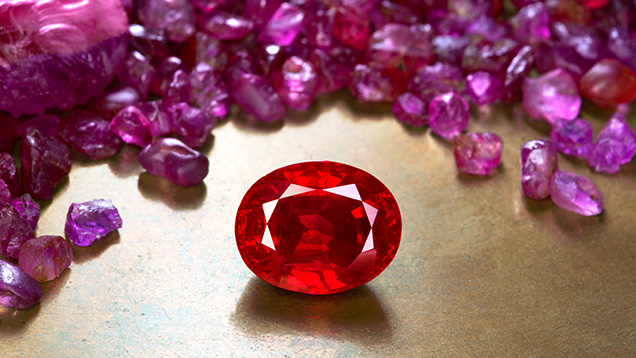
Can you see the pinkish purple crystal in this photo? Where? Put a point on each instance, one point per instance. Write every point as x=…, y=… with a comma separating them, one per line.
x=319, y=18
x=191, y=124
x=47, y=124
x=5, y=194
x=89, y=134
x=538, y=162
x=396, y=45
x=14, y=232
x=572, y=137
x=351, y=27
x=90, y=221
x=433, y=80
x=450, y=49
x=45, y=161
x=477, y=153
x=211, y=51
x=176, y=17
x=28, y=208
x=623, y=46
x=9, y=173
x=209, y=90
x=576, y=193
x=178, y=89
x=517, y=71
x=225, y=26
x=258, y=98
x=484, y=88
x=131, y=125
x=160, y=122
x=297, y=83
x=372, y=85
x=49, y=52
x=175, y=161
x=165, y=73
x=615, y=146
x=138, y=73
x=487, y=27
x=390, y=12
x=449, y=114
x=493, y=57
x=409, y=109
x=150, y=42
x=46, y=257
x=114, y=100
x=531, y=24
x=260, y=11
x=18, y=289
x=284, y=25
x=551, y=96
x=241, y=63
x=334, y=67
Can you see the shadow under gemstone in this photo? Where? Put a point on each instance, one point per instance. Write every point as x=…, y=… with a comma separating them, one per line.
x=86, y=253
x=356, y=315
x=176, y=197
x=126, y=162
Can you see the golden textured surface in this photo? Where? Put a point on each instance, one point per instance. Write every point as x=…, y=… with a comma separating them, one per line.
x=481, y=271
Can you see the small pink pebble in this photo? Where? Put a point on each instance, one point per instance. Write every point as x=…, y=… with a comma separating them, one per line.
x=175, y=161
x=477, y=153
x=46, y=257
x=576, y=193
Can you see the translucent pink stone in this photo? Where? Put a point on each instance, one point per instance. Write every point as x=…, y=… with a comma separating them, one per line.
x=487, y=27
x=450, y=48
x=517, y=71
x=89, y=134
x=433, y=80
x=191, y=124
x=284, y=25
x=160, y=122
x=225, y=26
x=114, y=100
x=531, y=24
x=90, y=221
x=484, y=88
x=209, y=90
x=8, y=133
x=538, y=162
x=150, y=42
x=176, y=17
x=623, y=46
x=372, y=85
x=14, y=232
x=576, y=193
x=46, y=257
x=260, y=11
x=572, y=137
x=138, y=73
x=178, y=89
x=45, y=162
x=258, y=98
x=165, y=73
x=477, y=153
x=9, y=173
x=131, y=125
x=334, y=67
x=493, y=57
x=211, y=51
x=241, y=63
x=351, y=28
x=5, y=194
x=17, y=289
x=28, y=208
x=409, y=109
x=390, y=12
x=396, y=45
x=297, y=83
x=46, y=124
x=207, y=6
x=449, y=114
x=551, y=96
x=615, y=146
x=175, y=161
x=319, y=19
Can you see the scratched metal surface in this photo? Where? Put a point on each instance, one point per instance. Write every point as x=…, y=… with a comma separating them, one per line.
x=481, y=271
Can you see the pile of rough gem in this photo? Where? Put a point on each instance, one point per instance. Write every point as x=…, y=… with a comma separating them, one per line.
x=158, y=74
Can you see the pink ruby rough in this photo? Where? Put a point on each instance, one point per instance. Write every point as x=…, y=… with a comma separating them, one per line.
x=254, y=94
x=132, y=126
x=449, y=114
x=551, y=96
x=538, y=163
x=409, y=109
x=45, y=161
x=28, y=208
x=576, y=193
x=477, y=153
x=484, y=88
x=615, y=146
x=572, y=137
x=176, y=17
x=44, y=258
x=175, y=161
x=397, y=45
x=297, y=83
x=14, y=232
x=90, y=221
x=17, y=288
x=89, y=134
x=284, y=25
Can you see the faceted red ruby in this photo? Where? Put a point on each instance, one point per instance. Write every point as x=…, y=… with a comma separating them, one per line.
x=318, y=227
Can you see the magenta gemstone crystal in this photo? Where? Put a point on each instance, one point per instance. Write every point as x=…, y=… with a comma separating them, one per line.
x=5, y=194
x=175, y=161
x=538, y=162
x=297, y=83
x=449, y=114
x=572, y=137
x=409, y=109
x=176, y=17
x=89, y=134
x=45, y=161
x=9, y=173
x=132, y=126
x=477, y=153
x=90, y=221
x=551, y=96
x=28, y=208
x=257, y=97
x=284, y=25
x=114, y=100
x=615, y=146
x=14, y=232
x=191, y=124
x=484, y=88
x=401, y=46
x=17, y=288
x=225, y=26
x=44, y=258
x=159, y=119
x=47, y=124
x=138, y=73
x=576, y=193
x=351, y=28
x=531, y=24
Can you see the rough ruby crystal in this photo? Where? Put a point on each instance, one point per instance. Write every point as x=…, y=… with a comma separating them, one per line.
x=372, y=85
x=150, y=42
x=318, y=227
x=493, y=57
x=477, y=153
x=17, y=288
x=572, y=137
x=47, y=124
x=334, y=67
x=284, y=25
x=175, y=161
x=396, y=45
x=46, y=257
x=138, y=73
x=433, y=80
x=576, y=193
x=132, y=126
x=615, y=146
x=8, y=132
x=159, y=119
x=551, y=96
x=257, y=97
x=165, y=73
x=176, y=17
x=208, y=90
x=9, y=173
x=46, y=161
x=538, y=162
x=409, y=109
x=89, y=134
x=114, y=100
x=28, y=208
x=191, y=124
x=609, y=83
x=449, y=114
x=351, y=28
x=297, y=83
x=484, y=88
x=14, y=232
x=531, y=24
x=225, y=26
x=90, y=221
x=178, y=89
x=5, y=194
x=519, y=68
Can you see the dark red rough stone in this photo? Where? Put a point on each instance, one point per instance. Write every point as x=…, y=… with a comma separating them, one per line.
x=14, y=232
x=9, y=173
x=89, y=134
x=45, y=162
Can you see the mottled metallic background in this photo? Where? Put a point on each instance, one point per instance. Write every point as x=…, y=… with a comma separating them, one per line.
x=481, y=271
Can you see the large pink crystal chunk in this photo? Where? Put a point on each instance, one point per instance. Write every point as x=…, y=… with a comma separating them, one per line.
x=551, y=96
x=14, y=232
x=284, y=26
x=257, y=97
x=576, y=193
x=538, y=162
x=409, y=109
x=46, y=161
x=132, y=126
x=28, y=208
x=175, y=161
x=401, y=46
x=46, y=257
x=615, y=146
x=17, y=288
x=225, y=26
x=89, y=134
x=297, y=83
x=572, y=137
x=477, y=153
x=449, y=114
x=176, y=17
x=90, y=221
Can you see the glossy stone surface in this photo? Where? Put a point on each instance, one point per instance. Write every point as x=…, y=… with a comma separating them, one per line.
x=477, y=153
x=176, y=17
x=45, y=162
x=284, y=25
x=191, y=124
x=551, y=96
x=113, y=100
x=159, y=119
x=351, y=28
x=225, y=26
x=434, y=80
x=318, y=227
x=609, y=83
x=18, y=289
x=297, y=83
x=137, y=72
x=538, y=162
x=132, y=126
x=14, y=232
x=615, y=146
x=9, y=173
x=28, y=208
x=517, y=71
x=175, y=161
x=89, y=134
x=490, y=56
x=257, y=97
x=209, y=90
x=572, y=137
x=409, y=109
x=372, y=85
x=576, y=193
x=260, y=11
x=90, y=221
x=178, y=89
x=396, y=45
x=484, y=88
x=150, y=42
x=333, y=67
x=531, y=24
x=44, y=258
x=47, y=124
x=165, y=73
x=449, y=114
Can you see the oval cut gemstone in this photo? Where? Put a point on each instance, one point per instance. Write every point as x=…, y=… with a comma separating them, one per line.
x=318, y=227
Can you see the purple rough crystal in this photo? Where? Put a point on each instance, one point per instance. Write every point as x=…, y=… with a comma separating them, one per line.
x=176, y=17
x=487, y=27
x=160, y=122
x=138, y=73
x=225, y=26
x=49, y=50
x=538, y=162
x=517, y=71
x=209, y=90
x=46, y=124
x=178, y=89
x=449, y=114
x=257, y=97
x=396, y=45
x=623, y=46
x=389, y=12
x=211, y=51
x=297, y=83
x=409, y=109
x=576, y=193
x=531, y=24
x=241, y=63
x=191, y=124
x=114, y=100
x=319, y=20
x=165, y=73
x=572, y=137
x=207, y=6
x=90, y=221
x=484, y=88
x=5, y=194
x=372, y=85
x=131, y=125
x=9, y=173
x=14, y=232
x=615, y=146
x=150, y=42
x=28, y=208
x=45, y=161
x=284, y=25
x=46, y=257
x=477, y=153
x=89, y=134
x=433, y=80
x=175, y=161
x=551, y=96
x=260, y=11
x=492, y=57
x=450, y=49
x=334, y=67
x=17, y=289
